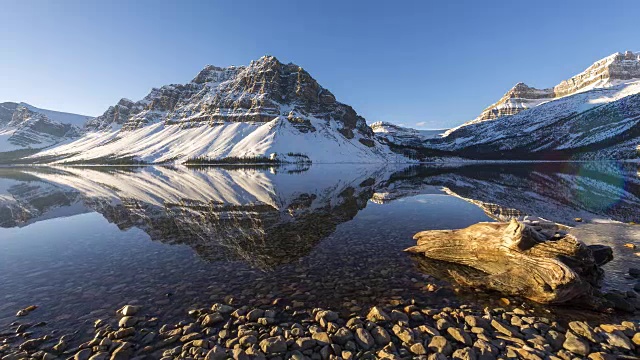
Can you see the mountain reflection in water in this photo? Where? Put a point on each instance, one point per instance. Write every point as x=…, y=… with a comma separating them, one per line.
x=75, y=241
x=270, y=217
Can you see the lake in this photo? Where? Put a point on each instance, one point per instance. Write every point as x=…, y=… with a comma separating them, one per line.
x=80, y=242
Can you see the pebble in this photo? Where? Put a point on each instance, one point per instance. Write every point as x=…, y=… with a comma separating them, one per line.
x=305, y=343
x=128, y=321
x=26, y=311
x=418, y=349
x=440, y=344
x=246, y=332
x=322, y=338
x=380, y=335
x=377, y=314
x=576, y=345
x=222, y=308
x=619, y=339
x=212, y=319
x=273, y=345
x=83, y=354
x=364, y=339
x=583, y=329
x=465, y=354
x=505, y=329
x=460, y=336
x=404, y=334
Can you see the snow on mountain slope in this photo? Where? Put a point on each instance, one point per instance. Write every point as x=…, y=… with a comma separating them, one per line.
x=265, y=110
x=396, y=134
x=160, y=143
x=5, y=144
x=23, y=126
x=61, y=117
x=571, y=122
x=613, y=70
x=596, y=110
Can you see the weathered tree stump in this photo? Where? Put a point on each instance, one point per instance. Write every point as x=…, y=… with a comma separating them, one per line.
x=537, y=261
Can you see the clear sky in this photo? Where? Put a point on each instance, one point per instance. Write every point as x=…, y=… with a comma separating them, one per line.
x=427, y=64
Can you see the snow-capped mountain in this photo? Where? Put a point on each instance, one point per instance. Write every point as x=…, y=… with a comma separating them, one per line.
x=397, y=134
x=274, y=112
x=266, y=110
x=23, y=126
x=597, y=110
x=612, y=70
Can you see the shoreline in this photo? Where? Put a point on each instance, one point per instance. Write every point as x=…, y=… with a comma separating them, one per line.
x=449, y=162
x=280, y=330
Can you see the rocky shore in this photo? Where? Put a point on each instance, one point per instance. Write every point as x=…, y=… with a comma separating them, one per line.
x=283, y=331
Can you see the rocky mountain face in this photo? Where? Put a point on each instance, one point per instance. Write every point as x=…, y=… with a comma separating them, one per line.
x=520, y=97
x=273, y=112
x=33, y=129
x=256, y=93
x=6, y=112
x=23, y=126
x=266, y=109
x=609, y=71
x=593, y=115
x=116, y=115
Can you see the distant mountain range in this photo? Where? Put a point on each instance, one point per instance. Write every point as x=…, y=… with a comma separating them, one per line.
x=270, y=112
x=593, y=115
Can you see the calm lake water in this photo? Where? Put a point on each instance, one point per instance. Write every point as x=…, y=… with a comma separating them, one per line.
x=81, y=242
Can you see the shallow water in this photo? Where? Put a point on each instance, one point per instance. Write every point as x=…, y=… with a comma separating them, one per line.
x=81, y=242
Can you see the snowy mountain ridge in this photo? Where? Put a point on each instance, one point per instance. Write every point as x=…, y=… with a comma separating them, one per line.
x=59, y=116
x=610, y=71
x=395, y=132
x=271, y=112
x=266, y=110
x=23, y=126
x=593, y=115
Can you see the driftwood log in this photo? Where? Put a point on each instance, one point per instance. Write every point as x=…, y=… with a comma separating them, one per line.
x=538, y=261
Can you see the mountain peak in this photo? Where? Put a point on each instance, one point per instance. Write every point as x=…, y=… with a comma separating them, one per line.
x=609, y=71
x=243, y=111
x=267, y=60
x=626, y=56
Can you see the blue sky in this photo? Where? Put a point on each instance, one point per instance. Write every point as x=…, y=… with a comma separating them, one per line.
x=428, y=64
